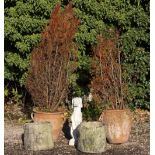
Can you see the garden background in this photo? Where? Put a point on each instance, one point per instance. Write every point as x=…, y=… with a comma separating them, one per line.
x=25, y=20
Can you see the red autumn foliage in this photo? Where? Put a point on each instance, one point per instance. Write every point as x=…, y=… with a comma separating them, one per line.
x=107, y=84
x=51, y=63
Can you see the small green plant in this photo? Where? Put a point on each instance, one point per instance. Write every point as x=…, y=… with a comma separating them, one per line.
x=91, y=111
x=6, y=92
x=12, y=95
x=16, y=95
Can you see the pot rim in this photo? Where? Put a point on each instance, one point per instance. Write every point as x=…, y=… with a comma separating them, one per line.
x=49, y=113
x=116, y=110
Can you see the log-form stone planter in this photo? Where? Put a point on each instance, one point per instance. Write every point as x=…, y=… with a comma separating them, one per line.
x=92, y=137
x=38, y=136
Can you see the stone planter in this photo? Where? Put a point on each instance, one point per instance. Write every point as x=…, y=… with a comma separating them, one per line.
x=91, y=137
x=38, y=136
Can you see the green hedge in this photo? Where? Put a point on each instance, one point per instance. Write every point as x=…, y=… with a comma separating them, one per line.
x=25, y=19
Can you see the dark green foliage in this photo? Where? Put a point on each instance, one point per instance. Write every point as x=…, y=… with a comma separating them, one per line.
x=91, y=112
x=24, y=20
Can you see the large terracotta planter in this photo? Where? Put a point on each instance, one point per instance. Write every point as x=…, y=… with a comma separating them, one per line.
x=56, y=119
x=118, y=125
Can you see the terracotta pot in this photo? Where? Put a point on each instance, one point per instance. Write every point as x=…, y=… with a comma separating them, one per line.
x=56, y=119
x=118, y=125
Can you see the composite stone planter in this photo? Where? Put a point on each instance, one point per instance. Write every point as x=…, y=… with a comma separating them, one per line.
x=38, y=136
x=92, y=137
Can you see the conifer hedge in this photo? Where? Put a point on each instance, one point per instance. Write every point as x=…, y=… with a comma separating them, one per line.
x=25, y=19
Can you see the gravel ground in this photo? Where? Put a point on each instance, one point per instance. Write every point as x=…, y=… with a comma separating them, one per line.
x=138, y=143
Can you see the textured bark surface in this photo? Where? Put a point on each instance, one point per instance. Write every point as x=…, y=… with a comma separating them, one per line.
x=38, y=136
x=92, y=137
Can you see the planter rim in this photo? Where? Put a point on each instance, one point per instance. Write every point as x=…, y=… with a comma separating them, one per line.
x=116, y=110
x=91, y=124
x=49, y=113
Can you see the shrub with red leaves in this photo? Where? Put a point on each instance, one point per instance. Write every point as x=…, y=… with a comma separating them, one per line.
x=51, y=63
x=107, y=85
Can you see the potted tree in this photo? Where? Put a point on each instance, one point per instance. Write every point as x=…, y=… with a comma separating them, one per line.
x=109, y=89
x=51, y=66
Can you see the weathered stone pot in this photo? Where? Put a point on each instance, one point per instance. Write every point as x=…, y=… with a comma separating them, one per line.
x=56, y=119
x=38, y=136
x=118, y=125
x=91, y=137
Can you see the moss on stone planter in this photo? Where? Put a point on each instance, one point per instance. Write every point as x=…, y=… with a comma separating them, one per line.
x=92, y=137
x=38, y=136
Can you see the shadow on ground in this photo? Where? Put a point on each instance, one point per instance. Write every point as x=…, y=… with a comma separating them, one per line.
x=19, y=150
x=138, y=143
